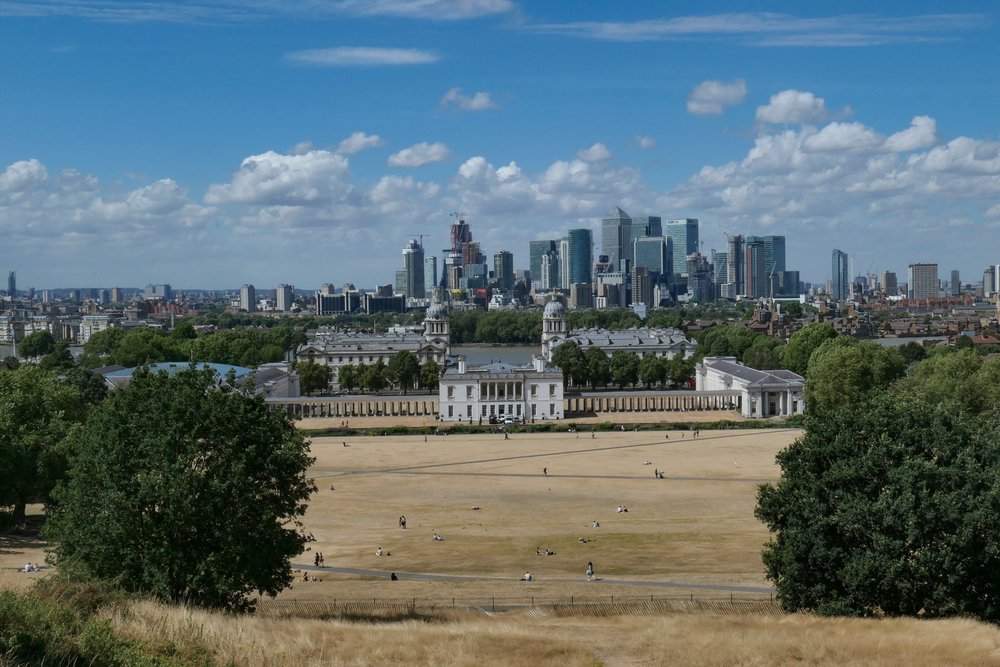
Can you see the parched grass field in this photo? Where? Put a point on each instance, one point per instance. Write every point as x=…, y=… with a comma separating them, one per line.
x=696, y=526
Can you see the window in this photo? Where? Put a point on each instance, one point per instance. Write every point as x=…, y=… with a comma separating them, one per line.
x=468, y=391
x=552, y=390
x=468, y=411
x=552, y=408
x=484, y=410
x=518, y=409
x=534, y=390
x=451, y=392
x=534, y=409
x=451, y=410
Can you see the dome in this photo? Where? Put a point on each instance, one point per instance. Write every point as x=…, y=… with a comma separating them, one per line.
x=437, y=311
x=554, y=309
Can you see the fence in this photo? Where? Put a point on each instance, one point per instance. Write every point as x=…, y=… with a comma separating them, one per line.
x=606, y=605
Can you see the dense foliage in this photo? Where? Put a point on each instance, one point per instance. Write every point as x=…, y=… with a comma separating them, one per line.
x=185, y=490
x=888, y=507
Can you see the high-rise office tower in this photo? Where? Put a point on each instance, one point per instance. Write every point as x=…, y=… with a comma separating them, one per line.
x=734, y=267
x=580, y=245
x=923, y=281
x=956, y=283
x=12, y=284
x=699, y=278
x=654, y=254
x=248, y=298
x=840, y=283
x=683, y=232
x=503, y=268
x=754, y=264
x=647, y=225
x=413, y=266
x=536, y=249
x=774, y=254
x=989, y=281
x=549, y=277
x=642, y=286
x=461, y=234
x=564, y=282
x=430, y=275
x=472, y=254
x=616, y=235
x=720, y=266
x=116, y=295
x=284, y=297
x=890, y=287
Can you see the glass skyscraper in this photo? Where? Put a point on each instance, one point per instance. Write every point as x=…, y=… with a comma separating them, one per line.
x=616, y=238
x=684, y=233
x=840, y=283
x=580, y=243
x=653, y=253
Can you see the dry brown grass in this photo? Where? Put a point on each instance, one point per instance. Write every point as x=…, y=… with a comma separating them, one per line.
x=520, y=638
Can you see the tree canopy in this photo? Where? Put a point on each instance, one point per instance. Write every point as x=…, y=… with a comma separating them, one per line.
x=890, y=507
x=803, y=343
x=37, y=344
x=183, y=489
x=843, y=370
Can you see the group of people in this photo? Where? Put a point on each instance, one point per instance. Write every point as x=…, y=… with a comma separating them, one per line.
x=318, y=560
x=402, y=521
x=544, y=552
x=31, y=567
x=622, y=508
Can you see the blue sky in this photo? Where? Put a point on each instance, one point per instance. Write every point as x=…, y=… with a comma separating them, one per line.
x=209, y=143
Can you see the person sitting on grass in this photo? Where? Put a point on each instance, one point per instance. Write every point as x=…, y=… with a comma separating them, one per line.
x=378, y=552
x=437, y=538
x=527, y=577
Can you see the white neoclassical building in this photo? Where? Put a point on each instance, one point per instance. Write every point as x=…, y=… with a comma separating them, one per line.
x=777, y=393
x=476, y=393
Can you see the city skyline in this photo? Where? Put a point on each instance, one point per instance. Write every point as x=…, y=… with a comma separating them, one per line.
x=183, y=143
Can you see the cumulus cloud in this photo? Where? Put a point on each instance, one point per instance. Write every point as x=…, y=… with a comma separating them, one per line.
x=793, y=107
x=357, y=142
x=439, y=10
x=709, y=98
x=644, y=142
x=290, y=180
x=454, y=99
x=839, y=137
x=361, y=56
x=420, y=154
x=921, y=134
x=23, y=175
x=596, y=153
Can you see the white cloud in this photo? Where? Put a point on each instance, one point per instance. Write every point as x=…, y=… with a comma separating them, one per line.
x=454, y=99
x=361, y=56
x=23, y=175
x=709, y=98
x=837, y=137
x=644, y=142
x=442, y=10
x=793, y=107
x=596, y=153
x=272, y=178
x=773, y=29
x=359, y=141
x=420, y=154
x=922, y=133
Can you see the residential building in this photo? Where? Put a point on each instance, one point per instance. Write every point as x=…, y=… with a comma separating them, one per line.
x=12, y=284
x=700, y=287
x=774, y=254
x=642, y=286
x=989, y=281
x=734, y=286
x=248, y=298
x=922, y=281
x=284, y=297
x=890, y=287
x=92, y=324
x=498, y=391
x=430, y=276
x=413, y=266
x=955, y=285
x=536, y=250
x=503, y=269
x=755, y=279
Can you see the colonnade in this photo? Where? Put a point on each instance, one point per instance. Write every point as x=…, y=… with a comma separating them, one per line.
x=665, y=402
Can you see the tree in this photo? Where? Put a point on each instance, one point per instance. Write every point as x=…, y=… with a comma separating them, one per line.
x=36, y=413
x=598, y=367
x=37, y=344
x=404, y=369
x=651, y=370
x=889, y=507
x=680, y=370
x=843, y=370
x=374, y=376
x=347, y=377
x=89, y=384
x=59, y=359
x=313, y=377
x=764, y=353
x=803, y=343
x=912, y=352
x=430, y=374
x=184, y=331
x=569, y=358
x=624, y=368
x=184, y=489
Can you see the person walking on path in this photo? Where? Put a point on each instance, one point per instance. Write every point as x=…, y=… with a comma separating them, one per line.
x=590, y=571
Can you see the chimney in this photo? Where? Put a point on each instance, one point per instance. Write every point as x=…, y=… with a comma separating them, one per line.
x=461, y=364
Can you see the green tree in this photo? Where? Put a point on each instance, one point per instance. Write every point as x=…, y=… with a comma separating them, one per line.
x=37, y=344
x=843, y=370
x=147, y=346
x=598, y=367
x=347, y=377
x=183, y=489
x=652, y=370
x=912, y=352
x=374, y=376
x=624, y=368
x=100, y=348
x=430, y=374
x=803, y=343
x=59, y=359
x=727, y=340
x=313, y=377
x=184, y=331
x=680, y=370
x=404, y=369
x=569, y=358
x=890, y=507
x=89, y=384
x=764, y=353
x=964, y=342
x=36, y=413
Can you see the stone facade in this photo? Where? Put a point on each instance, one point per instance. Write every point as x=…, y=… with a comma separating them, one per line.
x=777, y=393
x=477, y=393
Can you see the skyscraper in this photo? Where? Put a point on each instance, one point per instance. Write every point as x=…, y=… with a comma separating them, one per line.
x=956, y=283
x=755, y=267
x=413, y=265
x=564, y=263
x=774, y=254
x=248, y=298
x=616, y=235
x=284, y=297
x=536, y=249
x=989, y=281
x=699, y=278
x=503, y=268
x=642, y=286
x=923, y=281
x=840, y=283
x=549, y=278
x=651, y=252
x=581, y=243
x=684, y=234
x=890, y=287
x=734, y=267
x=430, y=275
x=12, y=284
